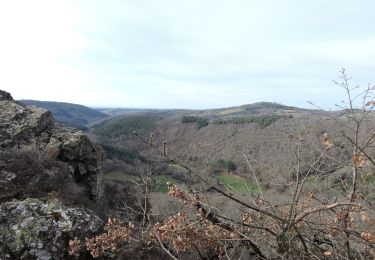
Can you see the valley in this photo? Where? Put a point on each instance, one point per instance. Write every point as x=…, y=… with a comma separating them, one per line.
x=245, y=167
x=245, y=149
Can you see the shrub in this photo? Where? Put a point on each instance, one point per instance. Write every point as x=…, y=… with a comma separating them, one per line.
x=200, y=121
x=40, y=175
x=189, y=119
x=228, y=165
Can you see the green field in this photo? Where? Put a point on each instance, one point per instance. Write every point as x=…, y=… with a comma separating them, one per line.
x=237, y=184
x=233, y=182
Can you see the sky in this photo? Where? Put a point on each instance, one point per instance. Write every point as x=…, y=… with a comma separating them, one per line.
x=185, y=54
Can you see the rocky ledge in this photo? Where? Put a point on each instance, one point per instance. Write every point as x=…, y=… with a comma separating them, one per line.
x=22, y=126
x=45, y=166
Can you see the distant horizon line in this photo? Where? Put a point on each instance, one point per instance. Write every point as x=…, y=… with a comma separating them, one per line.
x=160, y=108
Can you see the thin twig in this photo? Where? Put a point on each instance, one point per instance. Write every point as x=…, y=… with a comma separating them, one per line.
x=165, y=249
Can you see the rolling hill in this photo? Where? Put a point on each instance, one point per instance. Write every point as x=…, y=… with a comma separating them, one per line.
x=232, y=145
x=73, y=115
x=265, y=131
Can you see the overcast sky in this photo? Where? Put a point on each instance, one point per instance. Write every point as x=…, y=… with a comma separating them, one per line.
x=184, y=54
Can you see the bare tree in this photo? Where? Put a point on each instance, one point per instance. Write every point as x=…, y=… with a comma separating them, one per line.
x=305, y=224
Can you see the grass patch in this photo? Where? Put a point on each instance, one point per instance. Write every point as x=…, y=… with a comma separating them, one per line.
x=161, y=183
x=237, y=184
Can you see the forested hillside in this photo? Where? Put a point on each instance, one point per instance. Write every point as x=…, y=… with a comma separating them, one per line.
x=73, y=115
x=265, y=132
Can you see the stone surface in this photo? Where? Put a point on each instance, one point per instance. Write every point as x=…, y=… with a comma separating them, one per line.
x=33, y=229
x=40, y=158
x=22, y=126
x=6, y=177
x=5, y=95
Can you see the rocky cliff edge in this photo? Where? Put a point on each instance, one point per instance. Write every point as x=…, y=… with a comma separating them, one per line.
x=22, y=126
x=45, y=169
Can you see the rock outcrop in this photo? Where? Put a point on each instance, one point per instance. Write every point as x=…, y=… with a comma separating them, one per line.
x=22, y=126
x=5, y=95
x=45, y=166
x=33, y=229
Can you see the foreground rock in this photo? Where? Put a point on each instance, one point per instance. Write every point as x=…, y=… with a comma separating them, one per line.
x=41, y=161
x=22, y=126
x=32, y=229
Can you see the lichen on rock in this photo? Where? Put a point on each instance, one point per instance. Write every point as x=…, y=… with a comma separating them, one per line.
x=33, y=229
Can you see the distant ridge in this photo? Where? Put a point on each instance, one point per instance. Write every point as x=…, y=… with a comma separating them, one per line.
x=73, y=115
x=82, y=117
